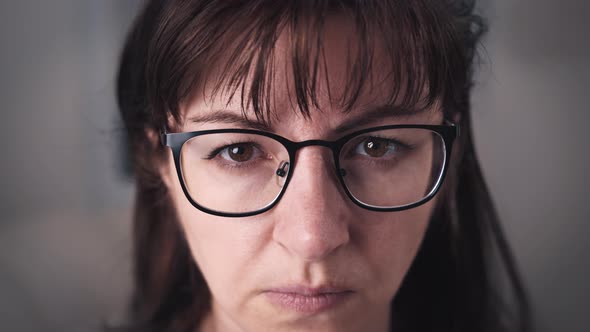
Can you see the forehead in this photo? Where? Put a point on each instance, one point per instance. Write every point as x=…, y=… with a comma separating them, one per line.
x=312, y=72
x=306, y=56
x=295, y=71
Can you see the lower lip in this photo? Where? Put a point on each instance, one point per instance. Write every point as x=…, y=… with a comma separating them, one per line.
x=308, y=304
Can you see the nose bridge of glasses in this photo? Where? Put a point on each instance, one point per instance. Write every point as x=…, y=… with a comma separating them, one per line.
x=315, y=142
x=328, y=163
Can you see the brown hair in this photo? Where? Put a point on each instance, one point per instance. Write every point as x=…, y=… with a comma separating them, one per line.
x=454, y=282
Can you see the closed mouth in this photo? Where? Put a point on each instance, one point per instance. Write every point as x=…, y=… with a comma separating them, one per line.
x=308, y=300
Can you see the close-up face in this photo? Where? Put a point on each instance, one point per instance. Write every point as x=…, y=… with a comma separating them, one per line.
x=315, y=261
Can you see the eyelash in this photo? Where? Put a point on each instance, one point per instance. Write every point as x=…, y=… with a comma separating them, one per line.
x=401, y=145
x=215, y=153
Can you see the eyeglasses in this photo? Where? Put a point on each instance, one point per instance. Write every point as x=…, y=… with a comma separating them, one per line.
x=243, y=172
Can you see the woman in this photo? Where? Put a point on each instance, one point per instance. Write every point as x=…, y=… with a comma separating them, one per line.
x=299, y=167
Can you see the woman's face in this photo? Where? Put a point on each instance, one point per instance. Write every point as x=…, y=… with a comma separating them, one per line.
x=316, y=261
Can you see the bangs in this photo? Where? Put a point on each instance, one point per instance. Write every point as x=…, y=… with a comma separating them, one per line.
x=416, y=39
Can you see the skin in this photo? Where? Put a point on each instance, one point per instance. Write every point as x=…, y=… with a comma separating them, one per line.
x=315, y=236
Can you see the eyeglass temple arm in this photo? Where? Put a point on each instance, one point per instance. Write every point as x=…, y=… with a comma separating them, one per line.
x=456, y=125
x=163, y=137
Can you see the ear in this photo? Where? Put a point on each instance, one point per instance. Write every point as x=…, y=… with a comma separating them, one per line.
x=163, y=161
x=456, y=117
x=153, y=137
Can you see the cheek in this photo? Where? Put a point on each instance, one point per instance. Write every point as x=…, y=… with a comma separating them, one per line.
x=224, y=249
x=214, y=244
x=391, y=245
x=212, y=240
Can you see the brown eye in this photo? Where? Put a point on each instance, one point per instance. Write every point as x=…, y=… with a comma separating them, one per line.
x=240, y=152
x=376, y=147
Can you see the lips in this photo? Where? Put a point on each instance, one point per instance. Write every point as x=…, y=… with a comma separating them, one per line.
x=308, y=300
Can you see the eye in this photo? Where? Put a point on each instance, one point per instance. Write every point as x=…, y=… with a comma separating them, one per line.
x=240, y=152
x=376, y=147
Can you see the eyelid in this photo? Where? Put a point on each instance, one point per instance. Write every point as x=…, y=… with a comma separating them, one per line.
x=353, y=144
x=396, y=141
x=215, y=152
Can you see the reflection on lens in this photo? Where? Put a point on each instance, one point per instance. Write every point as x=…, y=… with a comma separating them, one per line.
x=233, y=172
x=394, y=167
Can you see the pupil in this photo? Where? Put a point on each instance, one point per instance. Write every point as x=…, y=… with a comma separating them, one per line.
x=375, y=148
x=240, y=153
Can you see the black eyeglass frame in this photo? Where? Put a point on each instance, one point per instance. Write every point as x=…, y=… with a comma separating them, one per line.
x=175, y=141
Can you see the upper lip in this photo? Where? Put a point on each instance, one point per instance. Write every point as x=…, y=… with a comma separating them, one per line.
x=309, y=291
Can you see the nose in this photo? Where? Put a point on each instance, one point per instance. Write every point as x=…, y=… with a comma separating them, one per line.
x=312, y=219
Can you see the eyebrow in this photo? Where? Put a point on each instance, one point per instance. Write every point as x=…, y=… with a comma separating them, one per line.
x=375, y=114
x=228, y=117
x=361, y=119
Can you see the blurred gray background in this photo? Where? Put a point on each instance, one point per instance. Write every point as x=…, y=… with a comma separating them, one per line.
x=65, y=207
